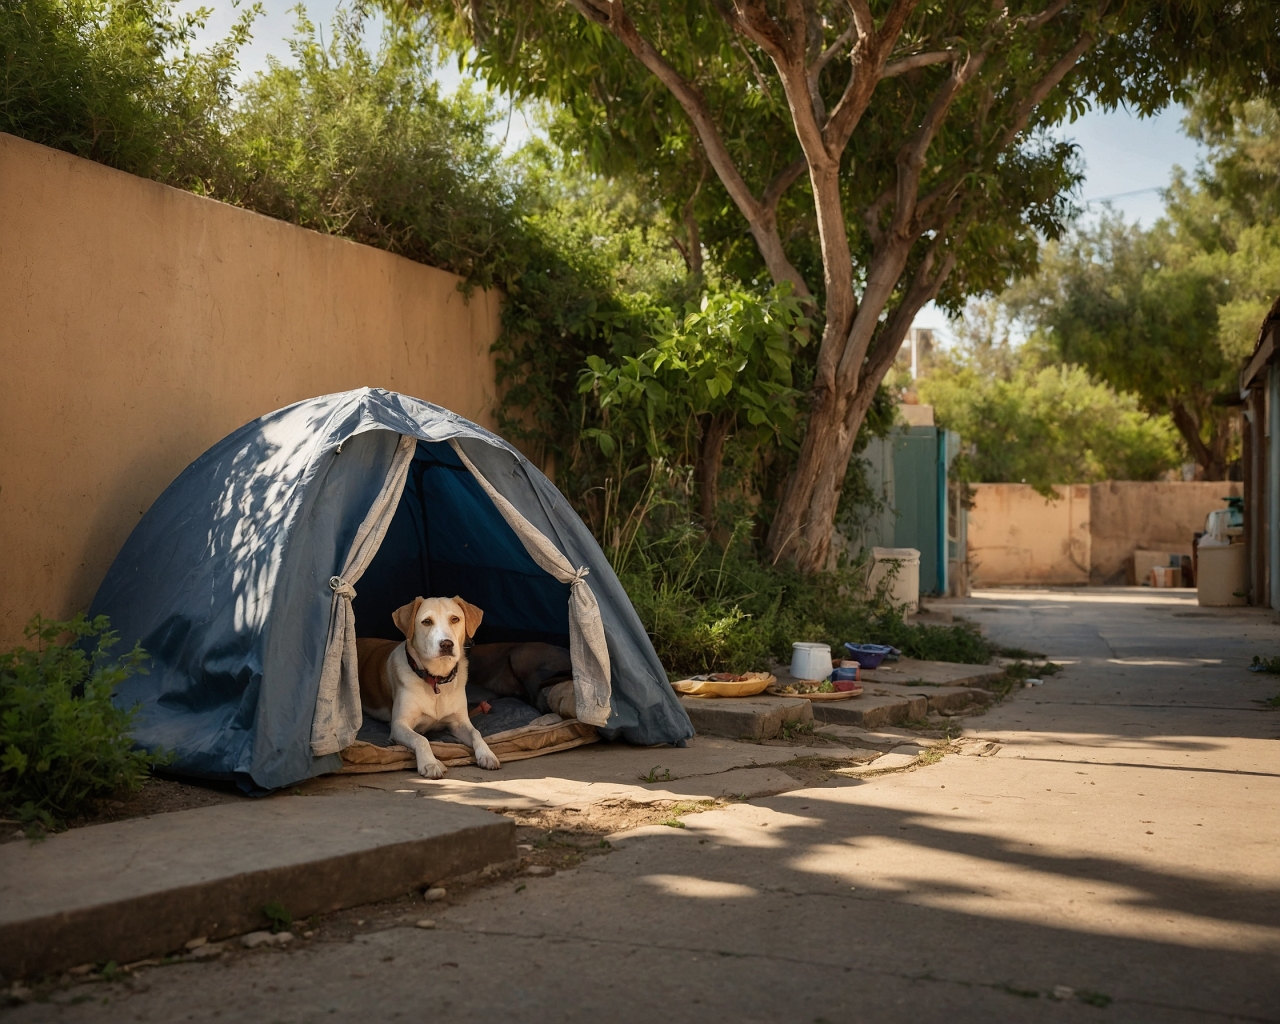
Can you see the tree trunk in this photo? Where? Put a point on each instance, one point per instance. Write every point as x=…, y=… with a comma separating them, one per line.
x=1210, y=457
x=715, y=431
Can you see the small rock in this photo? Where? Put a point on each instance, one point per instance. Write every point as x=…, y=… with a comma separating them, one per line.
x=433, y=894
x=81, y=971
x=197, y=943
x=255, y=939
x=426, y=922
x=538, y=869
x=20, y=992
x=307, y=935
x=360, y=922
x=1063, y=992
x=524, y=846
x=207, y=950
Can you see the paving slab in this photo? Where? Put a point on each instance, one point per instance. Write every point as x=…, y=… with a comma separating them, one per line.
x=754, y=718
x=599, y=764
x=934, y=673
x=132, y=889
x=872, y=710
x=940, y=698
x=528, y=794
x=882, y=740
x=893, y=759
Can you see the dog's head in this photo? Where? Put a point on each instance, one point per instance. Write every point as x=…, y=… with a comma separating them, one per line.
x=435, y=630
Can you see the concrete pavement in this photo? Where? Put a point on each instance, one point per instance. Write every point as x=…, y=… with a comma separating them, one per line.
x=1115, y=855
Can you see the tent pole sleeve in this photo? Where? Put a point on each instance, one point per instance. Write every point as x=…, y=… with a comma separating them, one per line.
x=338, y=715
x=588, y=648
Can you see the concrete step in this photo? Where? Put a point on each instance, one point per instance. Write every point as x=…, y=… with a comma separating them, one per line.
x=133, y=889
x=751, y=718
x=935, y=673
x=940, y=698
x=872, y=710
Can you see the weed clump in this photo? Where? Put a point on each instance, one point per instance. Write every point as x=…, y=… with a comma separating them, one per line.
x=711, y=608
x=63, y=743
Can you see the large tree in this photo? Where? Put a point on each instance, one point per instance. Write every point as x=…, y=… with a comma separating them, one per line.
x=1171, y=312
x=880, y=153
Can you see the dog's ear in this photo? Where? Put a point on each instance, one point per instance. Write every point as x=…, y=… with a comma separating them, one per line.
x=472, y=614
x=405, y=617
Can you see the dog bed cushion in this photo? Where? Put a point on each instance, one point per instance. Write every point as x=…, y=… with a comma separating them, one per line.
x=513, y=729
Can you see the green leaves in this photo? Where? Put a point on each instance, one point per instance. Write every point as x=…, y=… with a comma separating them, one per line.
x=1046, y=425
x=65, y=743
x=731, y=354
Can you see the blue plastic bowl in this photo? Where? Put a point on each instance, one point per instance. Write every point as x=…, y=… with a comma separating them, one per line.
x=868, y=655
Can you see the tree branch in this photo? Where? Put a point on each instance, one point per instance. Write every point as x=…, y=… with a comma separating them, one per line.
x=1042, y=88
x=782, y=181
x=924, y=288
x=868, y=58
x=1045, y=16
x=841, y=41
x=814, y=71
x=911, y=156
x=612, y=15
x=891, y=27
x=917, y=60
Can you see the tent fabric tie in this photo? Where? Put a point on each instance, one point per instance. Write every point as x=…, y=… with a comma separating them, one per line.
x=338, y=715
x=588, y=647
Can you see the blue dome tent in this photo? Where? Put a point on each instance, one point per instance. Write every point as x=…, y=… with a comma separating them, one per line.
x=246, y=580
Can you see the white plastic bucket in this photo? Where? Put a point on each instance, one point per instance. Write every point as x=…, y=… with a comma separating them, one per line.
x=906, y=584
x=810, y=661
x=1220, y=575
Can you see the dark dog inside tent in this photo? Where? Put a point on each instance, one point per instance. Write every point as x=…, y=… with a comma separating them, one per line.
x=250, y=578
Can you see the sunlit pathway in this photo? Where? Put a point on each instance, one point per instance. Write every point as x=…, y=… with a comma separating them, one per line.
x=1121, y=847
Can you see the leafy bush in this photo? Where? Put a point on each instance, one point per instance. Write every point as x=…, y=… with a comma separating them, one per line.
x=710, y=609
x=115, y=81
x=63, y=743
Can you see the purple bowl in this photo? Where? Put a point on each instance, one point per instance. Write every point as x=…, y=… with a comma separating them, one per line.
x=868, y=655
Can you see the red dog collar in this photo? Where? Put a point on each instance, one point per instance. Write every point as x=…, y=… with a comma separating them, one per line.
x=422, y=673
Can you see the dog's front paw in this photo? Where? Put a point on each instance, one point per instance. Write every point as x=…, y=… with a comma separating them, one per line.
x=486, y=759
x=431, y=770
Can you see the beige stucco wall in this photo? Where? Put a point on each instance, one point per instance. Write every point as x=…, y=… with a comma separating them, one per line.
x=1018, y=536
x=139, y=324
x=1126, y=515
x=1088, y=535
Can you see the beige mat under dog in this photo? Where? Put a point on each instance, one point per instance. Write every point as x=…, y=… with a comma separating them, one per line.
x=512, y=745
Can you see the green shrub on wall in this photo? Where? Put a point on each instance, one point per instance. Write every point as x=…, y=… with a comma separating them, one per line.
x=63, y=743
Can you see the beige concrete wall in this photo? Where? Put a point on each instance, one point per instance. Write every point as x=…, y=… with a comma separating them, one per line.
x=1089, y=535
x=139, y=324
x=1126, y=515
x=1018, y=536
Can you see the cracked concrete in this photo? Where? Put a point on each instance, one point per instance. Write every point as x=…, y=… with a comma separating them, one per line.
x=1100, y=847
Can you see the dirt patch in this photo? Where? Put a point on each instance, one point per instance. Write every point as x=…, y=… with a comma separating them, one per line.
x=156, y=796
x=563, y=837
x=803, y=736
x=814, y=770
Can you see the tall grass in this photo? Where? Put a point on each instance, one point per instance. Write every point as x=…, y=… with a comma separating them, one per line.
x=713, y=605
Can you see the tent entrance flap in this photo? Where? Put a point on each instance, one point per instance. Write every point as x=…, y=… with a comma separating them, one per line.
x=338, y=714
x=447, y=538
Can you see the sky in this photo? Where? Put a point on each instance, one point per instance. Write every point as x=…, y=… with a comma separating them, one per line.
x=1127, y=159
